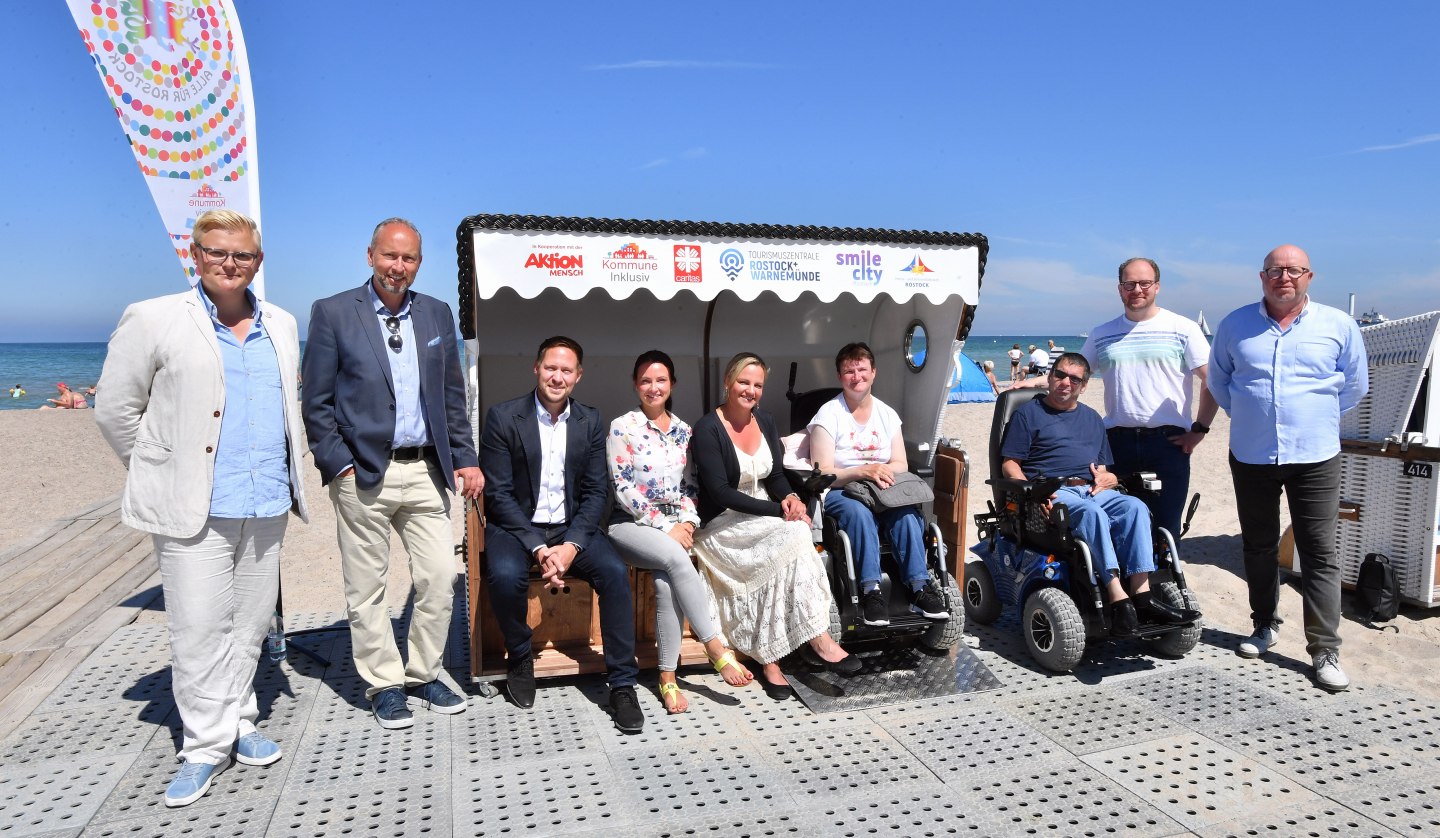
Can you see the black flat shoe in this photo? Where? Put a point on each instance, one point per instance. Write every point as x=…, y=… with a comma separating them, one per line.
x=847, y=667
x=1163, y=612
x=778, y=692
x=1123, y=620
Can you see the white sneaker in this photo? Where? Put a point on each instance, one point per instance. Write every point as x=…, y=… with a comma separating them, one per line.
x=1258, y=643
x=1328, y=673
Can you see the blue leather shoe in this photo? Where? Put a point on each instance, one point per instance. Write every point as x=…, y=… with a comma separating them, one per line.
x=439, y=698
x=390, y=709
x=190, y=783
x=254, y=749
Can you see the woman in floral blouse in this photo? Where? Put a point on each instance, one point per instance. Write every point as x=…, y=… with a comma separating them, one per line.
x=654, y=519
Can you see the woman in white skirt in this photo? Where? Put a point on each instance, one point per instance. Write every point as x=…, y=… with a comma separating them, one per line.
x=767, y=583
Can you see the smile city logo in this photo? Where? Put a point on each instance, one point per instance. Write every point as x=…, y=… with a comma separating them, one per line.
x=732, y=262
x=865, y=266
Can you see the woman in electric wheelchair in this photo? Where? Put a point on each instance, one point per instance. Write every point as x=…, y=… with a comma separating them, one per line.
x=654, y=519
x=768, y=585
x=855, y=436
x=1057, y=437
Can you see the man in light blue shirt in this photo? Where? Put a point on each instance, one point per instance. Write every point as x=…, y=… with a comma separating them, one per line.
x=1285, y=369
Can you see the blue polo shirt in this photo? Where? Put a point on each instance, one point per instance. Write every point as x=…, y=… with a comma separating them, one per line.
x=252, y=465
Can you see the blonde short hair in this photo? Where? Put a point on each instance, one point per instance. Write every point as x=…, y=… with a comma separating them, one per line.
x=223, y=219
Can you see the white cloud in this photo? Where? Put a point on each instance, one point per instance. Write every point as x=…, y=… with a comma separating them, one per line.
x=1413, y=141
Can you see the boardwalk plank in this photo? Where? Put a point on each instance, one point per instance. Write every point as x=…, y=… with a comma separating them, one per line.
x=111, y=585
x=52, y=669
x=39, y=595
x=142, y=597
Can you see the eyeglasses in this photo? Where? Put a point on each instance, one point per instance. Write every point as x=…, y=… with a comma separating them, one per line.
x=1292, y=271
x=1067, y=376
x=215, y=256
x=393, y=324
x=1143, y=285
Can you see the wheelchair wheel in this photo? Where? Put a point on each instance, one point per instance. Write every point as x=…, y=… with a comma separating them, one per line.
x=942, y=637
x=1053, y=629
x=982, y=604
x=1178, y=643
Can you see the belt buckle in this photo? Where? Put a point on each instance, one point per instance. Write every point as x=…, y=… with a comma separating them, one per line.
x=668, y=508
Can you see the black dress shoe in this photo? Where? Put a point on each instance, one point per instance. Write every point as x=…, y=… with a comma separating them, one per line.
x=847, y=667
x=1159, y=611
x=520, y=681
x=625, y=709
x=778, y=692
x=1123, y=620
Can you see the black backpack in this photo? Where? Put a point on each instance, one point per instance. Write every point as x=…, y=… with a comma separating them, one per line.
x=1378, y=588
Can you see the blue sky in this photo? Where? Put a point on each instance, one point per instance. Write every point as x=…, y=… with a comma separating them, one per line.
x=1074, y=135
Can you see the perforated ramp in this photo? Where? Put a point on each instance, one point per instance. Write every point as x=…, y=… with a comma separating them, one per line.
x=891, y=677
x=1129, y=744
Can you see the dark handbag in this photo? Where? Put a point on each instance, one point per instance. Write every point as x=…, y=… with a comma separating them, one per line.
x=907, y=490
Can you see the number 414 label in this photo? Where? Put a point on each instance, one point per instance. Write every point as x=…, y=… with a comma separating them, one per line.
x=1414, y=469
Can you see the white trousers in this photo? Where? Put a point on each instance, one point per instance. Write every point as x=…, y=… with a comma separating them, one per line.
x=220, y=591
x=413, y=499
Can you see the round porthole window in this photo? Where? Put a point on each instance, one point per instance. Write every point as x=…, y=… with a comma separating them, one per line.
x=917, y=346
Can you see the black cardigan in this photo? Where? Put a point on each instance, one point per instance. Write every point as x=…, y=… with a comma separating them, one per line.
x=717, y=469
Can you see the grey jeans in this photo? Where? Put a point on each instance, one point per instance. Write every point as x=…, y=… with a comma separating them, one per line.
x=1313, y=490
x=679, y=593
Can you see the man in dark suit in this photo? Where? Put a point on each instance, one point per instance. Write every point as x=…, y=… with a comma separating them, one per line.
x=385, y=412
x=547, y=489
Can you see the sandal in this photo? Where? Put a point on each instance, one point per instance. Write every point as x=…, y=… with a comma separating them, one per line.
x=671, y=697
x=728, y=660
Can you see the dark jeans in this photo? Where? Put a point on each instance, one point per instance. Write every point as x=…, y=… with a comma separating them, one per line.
x=1313, y=492
x=507, y=572
x=1145, y=449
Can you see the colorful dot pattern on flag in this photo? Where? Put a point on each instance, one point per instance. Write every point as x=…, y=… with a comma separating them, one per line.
x=172, y=83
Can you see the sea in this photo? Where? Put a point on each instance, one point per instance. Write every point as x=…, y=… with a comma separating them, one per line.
x=38, y=366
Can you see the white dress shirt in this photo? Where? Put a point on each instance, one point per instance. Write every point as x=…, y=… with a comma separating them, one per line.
x=550, y=498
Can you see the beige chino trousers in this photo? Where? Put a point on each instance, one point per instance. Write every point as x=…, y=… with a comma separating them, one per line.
x=414, y=500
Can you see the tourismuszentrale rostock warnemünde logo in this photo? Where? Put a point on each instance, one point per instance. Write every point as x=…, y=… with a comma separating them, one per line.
x=687, y=263
x=556, y=259
x=629, y=263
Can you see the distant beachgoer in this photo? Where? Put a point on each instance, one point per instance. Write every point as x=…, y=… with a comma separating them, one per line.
x=1015, y=356
x=1055, y=350
x=1039, y=361
x=17, y=392
x=989, y=367
x=67, y=400
x=90, y=391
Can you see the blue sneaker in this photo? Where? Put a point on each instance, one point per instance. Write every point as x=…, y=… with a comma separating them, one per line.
x=390, y=709
x=439, y=698
x=254, y=749
x=190, y=783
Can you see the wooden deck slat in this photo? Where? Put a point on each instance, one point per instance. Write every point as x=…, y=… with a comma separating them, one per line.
x=34, y=550
x=41, y=594
x=116, y=616
x=110, y=586
x=51, y=670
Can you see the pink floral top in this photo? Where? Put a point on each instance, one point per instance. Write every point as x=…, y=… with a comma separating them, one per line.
x=648, y=467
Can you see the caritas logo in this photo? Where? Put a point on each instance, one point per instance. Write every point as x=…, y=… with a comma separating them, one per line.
x=687, y=263
x=557, y=264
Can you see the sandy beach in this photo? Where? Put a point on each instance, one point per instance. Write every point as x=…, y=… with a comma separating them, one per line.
x=62, y=464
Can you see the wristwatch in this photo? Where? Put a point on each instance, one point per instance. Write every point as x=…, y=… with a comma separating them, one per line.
x=1197, y=428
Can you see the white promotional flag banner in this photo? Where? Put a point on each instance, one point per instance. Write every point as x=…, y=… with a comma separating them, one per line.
x=177, y=76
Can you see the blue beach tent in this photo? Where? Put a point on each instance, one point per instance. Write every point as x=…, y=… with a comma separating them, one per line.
x=968, y=383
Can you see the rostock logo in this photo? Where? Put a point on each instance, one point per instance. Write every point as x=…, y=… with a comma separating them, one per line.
x=732, y=262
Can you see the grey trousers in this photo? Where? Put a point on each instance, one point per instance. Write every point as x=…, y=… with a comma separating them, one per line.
x=679, y=593
x=1313, y=490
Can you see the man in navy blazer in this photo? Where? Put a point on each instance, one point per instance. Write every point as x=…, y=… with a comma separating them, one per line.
x=385, y=412
x=547, y=490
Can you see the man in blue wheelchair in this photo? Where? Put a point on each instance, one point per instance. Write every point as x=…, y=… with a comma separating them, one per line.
x=1059, y=500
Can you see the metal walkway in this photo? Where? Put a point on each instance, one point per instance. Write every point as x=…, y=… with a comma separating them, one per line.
x=1208, y=745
